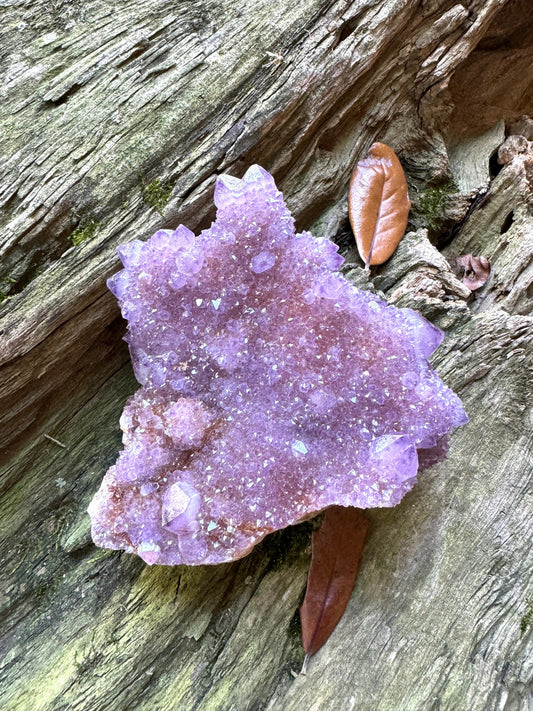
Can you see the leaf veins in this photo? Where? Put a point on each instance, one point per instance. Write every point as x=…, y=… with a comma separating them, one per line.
x=378, y=204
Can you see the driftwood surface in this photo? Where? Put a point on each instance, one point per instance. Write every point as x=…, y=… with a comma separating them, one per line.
x=116, y=118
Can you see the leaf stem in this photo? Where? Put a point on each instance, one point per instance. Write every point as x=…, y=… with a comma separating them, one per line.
x=303, y=670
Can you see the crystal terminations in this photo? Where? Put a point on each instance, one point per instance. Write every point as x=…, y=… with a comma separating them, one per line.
x=271, y=387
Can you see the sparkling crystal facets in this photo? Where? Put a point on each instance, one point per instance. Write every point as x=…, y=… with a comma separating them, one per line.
x=271, y=387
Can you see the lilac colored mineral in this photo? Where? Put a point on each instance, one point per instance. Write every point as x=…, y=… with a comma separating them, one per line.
x=271, y=387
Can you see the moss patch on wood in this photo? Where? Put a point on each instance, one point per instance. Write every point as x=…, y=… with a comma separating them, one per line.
x=527, y=619
x=6, y=288
x=433, y=203
x=157, y=193
x=85, y=231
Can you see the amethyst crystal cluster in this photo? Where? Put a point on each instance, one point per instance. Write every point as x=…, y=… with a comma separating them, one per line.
x=271, y=387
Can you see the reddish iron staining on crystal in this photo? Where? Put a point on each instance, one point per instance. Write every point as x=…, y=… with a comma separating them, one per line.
x=378, y=204
x=271, y=387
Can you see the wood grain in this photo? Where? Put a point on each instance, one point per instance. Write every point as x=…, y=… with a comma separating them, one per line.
x=101, y=100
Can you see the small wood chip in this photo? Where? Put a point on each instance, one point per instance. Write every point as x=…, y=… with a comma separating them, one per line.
x=55, y=441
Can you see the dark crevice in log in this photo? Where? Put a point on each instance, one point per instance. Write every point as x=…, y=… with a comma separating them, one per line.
x=506, y=224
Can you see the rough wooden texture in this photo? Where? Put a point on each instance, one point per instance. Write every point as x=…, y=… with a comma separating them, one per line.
x=116, y=118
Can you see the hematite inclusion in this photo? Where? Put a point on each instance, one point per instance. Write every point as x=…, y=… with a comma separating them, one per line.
x=271, y=387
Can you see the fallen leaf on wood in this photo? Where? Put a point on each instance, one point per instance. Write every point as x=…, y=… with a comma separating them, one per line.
x=378, y=204
x=474, y=271
x=337, y=549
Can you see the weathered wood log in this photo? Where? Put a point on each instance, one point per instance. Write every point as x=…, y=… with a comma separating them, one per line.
x=116, y=119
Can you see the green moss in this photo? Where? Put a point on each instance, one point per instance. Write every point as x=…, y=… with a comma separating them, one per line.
x=433, y=203
x=527, y=619
x=85, y=231
x=5, y=287
x=157, y=193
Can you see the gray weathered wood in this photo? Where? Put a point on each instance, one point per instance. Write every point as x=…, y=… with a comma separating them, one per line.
x=110, y=108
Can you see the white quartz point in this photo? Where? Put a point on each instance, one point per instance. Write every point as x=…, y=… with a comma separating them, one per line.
x=257, y=174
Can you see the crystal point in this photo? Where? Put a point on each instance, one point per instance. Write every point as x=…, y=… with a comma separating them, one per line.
x=256, y=173
x=226, y=189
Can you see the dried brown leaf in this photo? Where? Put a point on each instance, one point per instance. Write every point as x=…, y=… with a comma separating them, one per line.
x=337, y=549
x=474, y=271
x=378, y=204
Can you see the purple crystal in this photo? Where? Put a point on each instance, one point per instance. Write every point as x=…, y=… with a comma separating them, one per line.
x=271, y=387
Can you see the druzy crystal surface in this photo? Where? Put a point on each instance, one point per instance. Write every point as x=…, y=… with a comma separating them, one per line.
x=270, y=386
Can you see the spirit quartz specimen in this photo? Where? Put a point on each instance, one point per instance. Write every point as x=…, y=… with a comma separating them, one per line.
x=271, y=387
